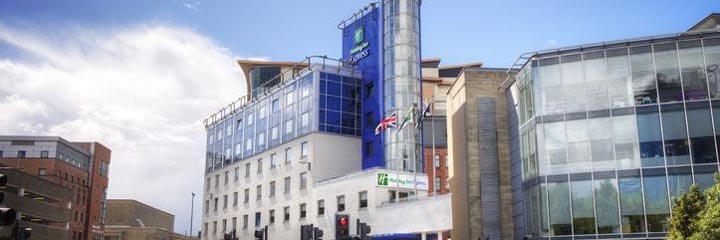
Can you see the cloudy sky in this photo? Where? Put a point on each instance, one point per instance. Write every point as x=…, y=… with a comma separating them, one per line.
x=140, y=76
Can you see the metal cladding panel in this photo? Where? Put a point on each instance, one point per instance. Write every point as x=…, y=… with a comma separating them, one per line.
x=489, y=169
x=515, y=169
x=361, y=44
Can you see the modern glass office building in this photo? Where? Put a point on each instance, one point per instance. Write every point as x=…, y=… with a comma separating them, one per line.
x=610, y=133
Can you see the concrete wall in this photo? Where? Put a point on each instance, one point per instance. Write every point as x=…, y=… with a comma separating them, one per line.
x=125, y=212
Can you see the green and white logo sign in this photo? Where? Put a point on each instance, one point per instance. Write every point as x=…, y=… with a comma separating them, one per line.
x=402, y=180
x=359, y=35
x=382, y=179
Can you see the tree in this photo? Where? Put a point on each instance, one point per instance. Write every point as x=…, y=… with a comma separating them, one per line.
x=685, y=212
x=707, y=225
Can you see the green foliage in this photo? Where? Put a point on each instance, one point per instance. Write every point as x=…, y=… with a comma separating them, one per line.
x=696, y=215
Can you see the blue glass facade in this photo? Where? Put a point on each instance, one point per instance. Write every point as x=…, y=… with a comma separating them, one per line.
x=319, y=99
x=609, y=134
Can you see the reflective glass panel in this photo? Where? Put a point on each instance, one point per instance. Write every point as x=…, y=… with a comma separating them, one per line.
x=596, y=77
x=631, y=205
x=556, y=147
x=668, y=72
x=711, y=47
x=601, y=144
x=643, y=75
x=677, y=151
x=578, y=146
x=692, y=68
x=559, y=201
x=620, y=84
x=606, y=202
x=702, y=143
x=651, y=146
x=625, y=138
x=582, y=206
x=656, y=200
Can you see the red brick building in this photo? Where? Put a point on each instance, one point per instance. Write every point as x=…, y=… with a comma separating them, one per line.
x=80, y=166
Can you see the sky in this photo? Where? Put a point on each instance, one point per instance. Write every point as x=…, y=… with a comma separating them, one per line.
x=140, y=76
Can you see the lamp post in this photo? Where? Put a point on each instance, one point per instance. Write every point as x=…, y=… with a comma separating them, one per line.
x=192, y=205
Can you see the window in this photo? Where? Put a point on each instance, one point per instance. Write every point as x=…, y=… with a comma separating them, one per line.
x=217, y=180
x=261, y=113
x=237, y=173
x=261, y=138
x=245, y=221
x=303, y=211
x=341, y=203
x=207, y=205
x=436, y=186
x=275, y=105
x=436, y=160
x=286, y=214
x=363, y=199
x=247, y=170
x=273, y=160
x=205, y=232
x=321, y=207
x=42, y=172
x=303, y=180
x=304, y=149
x=235, y=198
x=447, y=163
x=44, y=154
x=234, y=223
x=214, y=227
x=272, y=216
x=246, y=198
x=225, y=200
x=259, y=166
x=305, y=120
x=287, y=185
x=289, y=126
x=216, y=204
x=238, y=149
x=227, y=177
x=207, y=184
x=272, y=189
x=258, y=219
x=250, y=119
x=21, y=154
x=239, y=125
x=273, y=133
x=224, y=225
x=1, y=154
x=248, y=144
x=258, y=194
x=288, y=155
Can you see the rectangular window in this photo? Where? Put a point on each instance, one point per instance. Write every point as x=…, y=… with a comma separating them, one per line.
x=217, y=180
x=274, y=133
x=436, y=160
x=288, y=155
x=42, y=172
x=258, y=194
x=246, y=197
x=248, y=144
x=276, y=105
x=216, y=205
x=247, y=170
x=289, y=98
x=363, y=199
x=303, y=211
x=273, y=160
x=225, y=200
x=289, y=126
x=21, y=154
x=341, y=203
x=238, y=149
x=304, y=149
x=207, y=205
x=271, y=214
x=214, y=227
x=259, y=165
x=237, y=173
x=287, y=185
x=44, y=154
x=1, y=154
x=286, y=214
x=436, y=185
x=224, y=226
x=258, y=219
x=227, y=177
x=205, y=232
x=261, y=113
x=235, y=198
x=305, y=120
x=245, y=221
x=272, y=189
x=303, y=180
x=234, y=223
x=321, y=207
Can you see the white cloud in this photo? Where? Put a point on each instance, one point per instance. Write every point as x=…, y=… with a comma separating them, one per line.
x=143, y=91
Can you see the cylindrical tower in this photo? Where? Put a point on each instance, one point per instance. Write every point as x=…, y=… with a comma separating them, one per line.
x=402, y=82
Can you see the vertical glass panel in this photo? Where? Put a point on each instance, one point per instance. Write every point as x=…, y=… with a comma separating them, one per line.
x=702, y=143
x=556, y=147
x=551, y=83
x=643, y=75
x=668, y=72
x=573, y=84
x=541, y=156
x=578, y=146
x=559, y=200
x=716, y=122
x=606, y=202
x=656, y=200
x=692, y=68
x=679, y=180
x=626, y=145
x=544, y=224
x=601, y=143
x=596, y=76
x=537, y=93
x=677, y=151
x=651, y=146
x=582, y=206
x=524, y=153
x=532, y=151
x=704, y=176
x=711, y=47
x=631, y=205
x=620, y=84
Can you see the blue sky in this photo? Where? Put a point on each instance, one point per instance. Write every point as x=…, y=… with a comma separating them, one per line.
x=457, y=31
x=140, y=76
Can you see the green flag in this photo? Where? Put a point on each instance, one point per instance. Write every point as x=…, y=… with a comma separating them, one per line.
x=409, y=117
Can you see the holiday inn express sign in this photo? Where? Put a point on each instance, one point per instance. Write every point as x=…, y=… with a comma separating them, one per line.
x=402, y=180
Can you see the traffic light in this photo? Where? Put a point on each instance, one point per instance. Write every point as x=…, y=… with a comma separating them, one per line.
x=259, y=234
x=306, y=232
x=364, y=230
x=317, y=233
x=7, y=216
x=342, y=226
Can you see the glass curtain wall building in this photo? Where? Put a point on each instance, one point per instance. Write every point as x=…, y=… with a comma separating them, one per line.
x=610, y=133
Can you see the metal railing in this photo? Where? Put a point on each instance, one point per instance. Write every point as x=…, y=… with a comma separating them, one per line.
x=293, y=72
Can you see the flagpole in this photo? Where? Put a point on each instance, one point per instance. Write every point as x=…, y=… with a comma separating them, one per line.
x=432, y=122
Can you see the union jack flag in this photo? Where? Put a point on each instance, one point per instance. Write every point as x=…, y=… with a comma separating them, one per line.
x=386, y=123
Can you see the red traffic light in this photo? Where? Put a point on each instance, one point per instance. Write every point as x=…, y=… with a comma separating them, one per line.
x=344, y=222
